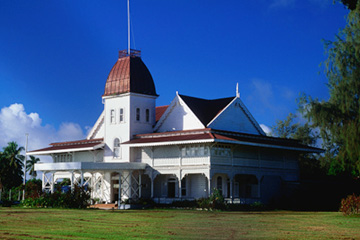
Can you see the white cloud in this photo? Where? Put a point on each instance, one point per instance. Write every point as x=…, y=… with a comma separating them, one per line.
x=266, y=129
x=15, y=123
x=263, y=95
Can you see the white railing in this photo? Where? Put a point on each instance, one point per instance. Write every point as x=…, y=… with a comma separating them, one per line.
x=245, y=162
x=195, y=161
x=221, y=160
x=166, y=162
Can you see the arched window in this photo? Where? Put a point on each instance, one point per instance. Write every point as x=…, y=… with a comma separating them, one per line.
x=219, y=184
x=117, y=149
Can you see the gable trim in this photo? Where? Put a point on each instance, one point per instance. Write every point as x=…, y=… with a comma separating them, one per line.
x=97, y=125
x=221, y=112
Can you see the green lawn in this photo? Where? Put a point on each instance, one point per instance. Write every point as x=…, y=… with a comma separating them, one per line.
x=23, y=223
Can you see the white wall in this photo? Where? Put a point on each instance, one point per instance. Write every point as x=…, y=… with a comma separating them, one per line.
x=130, y=126
x=197, y=186
x=178, y=117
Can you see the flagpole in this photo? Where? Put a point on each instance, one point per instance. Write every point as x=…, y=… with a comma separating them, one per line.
x=26, y=147
x=128, y=12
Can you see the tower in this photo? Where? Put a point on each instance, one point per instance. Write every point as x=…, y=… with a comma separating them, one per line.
x=129, y=104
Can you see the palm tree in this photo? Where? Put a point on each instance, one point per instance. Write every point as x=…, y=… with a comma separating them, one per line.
x=2, y=169
x=30, y=166
x=13, y=156
x=13, y=165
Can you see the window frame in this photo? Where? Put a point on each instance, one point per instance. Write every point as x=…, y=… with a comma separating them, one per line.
x=147, y=115
x=117, y=148
x=121, y=115
x=112, y=116
x=137, y=115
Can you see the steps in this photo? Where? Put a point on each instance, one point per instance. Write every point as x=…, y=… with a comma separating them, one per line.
x=104, y=206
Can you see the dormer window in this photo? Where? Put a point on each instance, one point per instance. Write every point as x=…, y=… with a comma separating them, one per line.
x=117, y=149
x=112, y=116
x=147, y=115
x=121, y=115
x=137, y=114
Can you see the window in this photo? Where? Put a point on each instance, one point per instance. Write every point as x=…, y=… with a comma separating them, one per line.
x=222, y=151
x=121, y=115
x=147, y=115
x=117, y=149
x=137, y=114
x=194, y=151
x=112, y=116
x=63, y=158
x=183, y=187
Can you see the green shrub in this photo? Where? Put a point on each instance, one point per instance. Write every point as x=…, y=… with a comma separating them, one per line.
x=77, y=198
x=215, y=201
x=33, y=188
x=350, y=205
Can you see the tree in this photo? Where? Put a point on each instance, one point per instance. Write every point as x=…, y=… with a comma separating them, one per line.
x=285, y=128
x=350, y=4
x=12, y=165
x=2, y=169
x=30, y=166
x=339, y=118
x=309, y=164
x=288, y=128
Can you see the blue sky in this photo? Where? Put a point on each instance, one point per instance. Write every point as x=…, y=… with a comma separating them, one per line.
x=55, y=56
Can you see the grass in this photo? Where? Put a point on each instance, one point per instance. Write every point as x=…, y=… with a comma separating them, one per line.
x=24, y=223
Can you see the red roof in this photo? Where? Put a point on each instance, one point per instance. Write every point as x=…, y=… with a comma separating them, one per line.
x=86, y=143
x=159, y=111
x=189, y=137
x=129, y=74
x=219, y=136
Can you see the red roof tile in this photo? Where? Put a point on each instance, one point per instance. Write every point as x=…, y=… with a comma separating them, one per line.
x=159, y=111
x=71, y=145
x=207, y=133
x=129, y=74
x=187, y=137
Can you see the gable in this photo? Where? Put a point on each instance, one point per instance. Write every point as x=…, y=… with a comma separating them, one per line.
x=178, y=116
x=236, y=118
x=97, y=131
x=206, y=110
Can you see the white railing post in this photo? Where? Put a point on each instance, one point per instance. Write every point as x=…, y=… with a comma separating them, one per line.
x=119, y=192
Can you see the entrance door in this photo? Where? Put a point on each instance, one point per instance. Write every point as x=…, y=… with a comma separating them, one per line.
x=171, y=188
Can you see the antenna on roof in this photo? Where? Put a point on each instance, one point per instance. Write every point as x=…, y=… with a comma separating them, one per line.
x=128, y=13
x=237, y=90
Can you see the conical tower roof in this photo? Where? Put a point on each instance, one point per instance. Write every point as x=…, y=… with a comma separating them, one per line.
x=129, y=75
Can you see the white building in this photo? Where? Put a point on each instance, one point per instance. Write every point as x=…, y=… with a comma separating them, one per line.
x=179, y=151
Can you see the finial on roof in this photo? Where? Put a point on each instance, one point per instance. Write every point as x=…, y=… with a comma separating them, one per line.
x=177, y=93
x=237, y=90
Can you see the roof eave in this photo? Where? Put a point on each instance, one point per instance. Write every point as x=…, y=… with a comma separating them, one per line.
x=49, y=152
